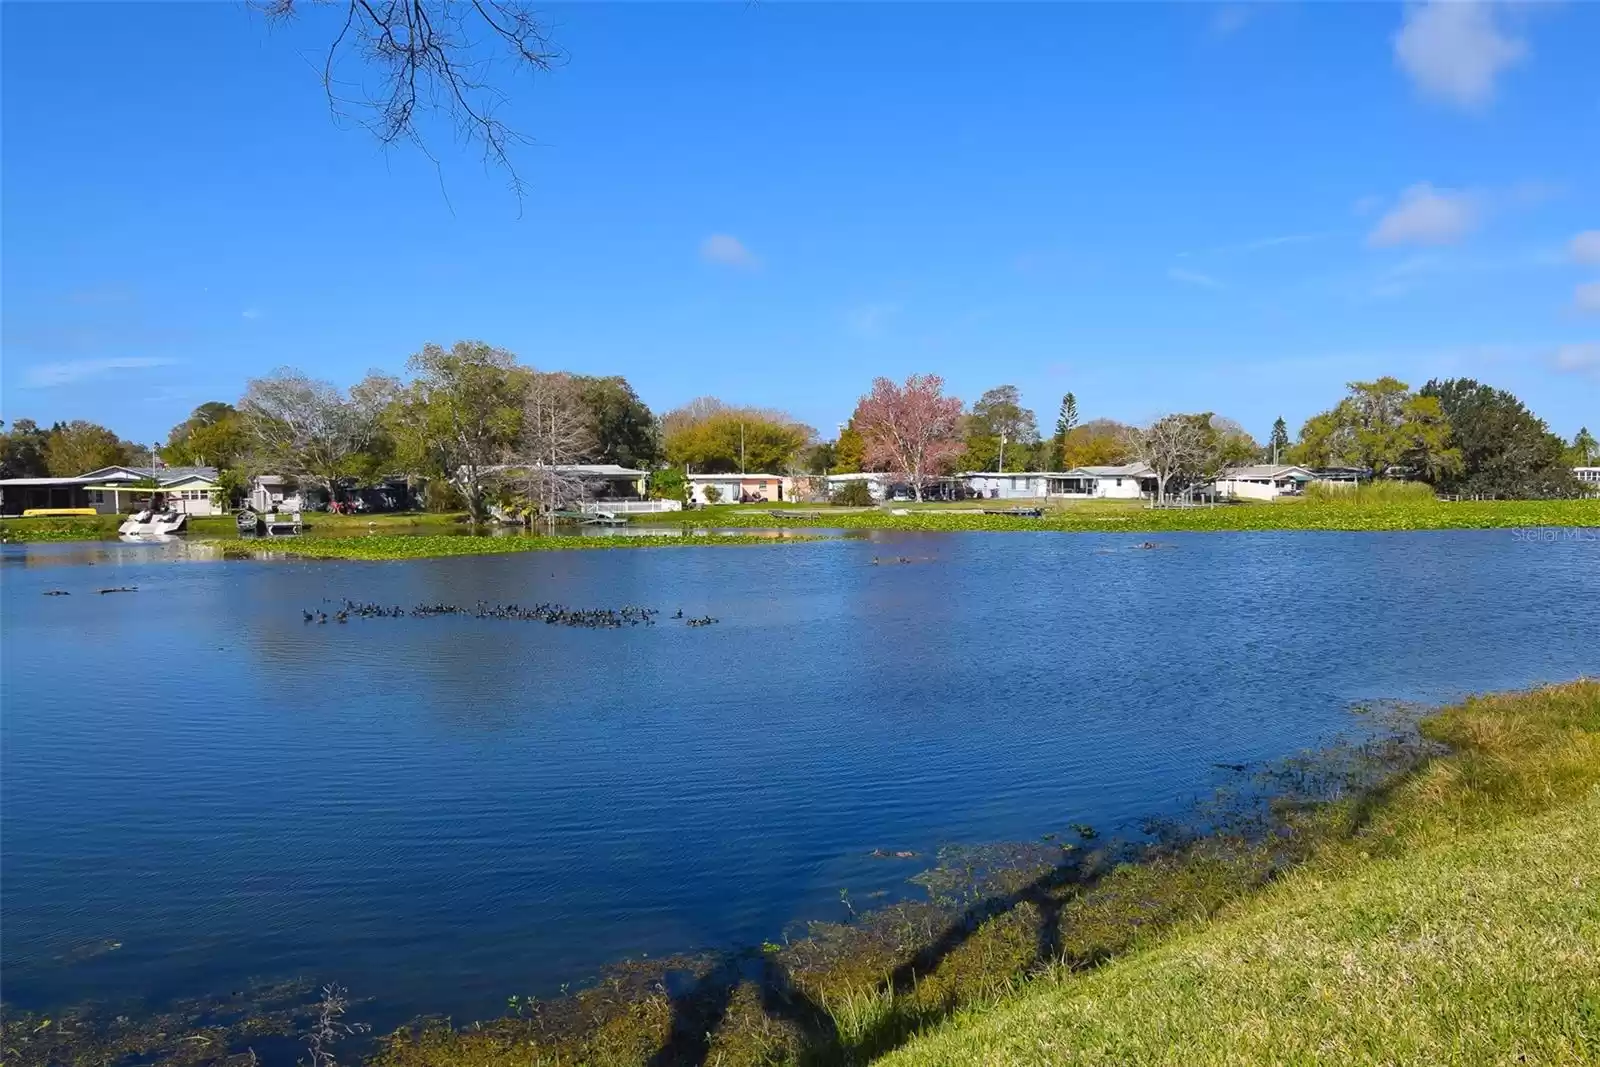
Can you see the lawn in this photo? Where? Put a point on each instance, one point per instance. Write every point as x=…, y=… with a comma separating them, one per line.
x=1461, y=924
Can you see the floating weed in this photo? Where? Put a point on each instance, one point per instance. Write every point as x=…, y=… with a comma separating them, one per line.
x=1364, y=515
x=396, y=547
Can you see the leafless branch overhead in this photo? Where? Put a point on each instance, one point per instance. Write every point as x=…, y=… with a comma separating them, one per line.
x=432, y=56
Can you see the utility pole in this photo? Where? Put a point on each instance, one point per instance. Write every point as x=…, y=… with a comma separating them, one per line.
x=1002, y=464
x=741, y=448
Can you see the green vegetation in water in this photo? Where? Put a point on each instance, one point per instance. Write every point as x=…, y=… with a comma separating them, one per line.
x=1014, y=920
x=387, y=547
x=60, y=528
x=1358, y=515
x=104, y=527
x=1425, y=896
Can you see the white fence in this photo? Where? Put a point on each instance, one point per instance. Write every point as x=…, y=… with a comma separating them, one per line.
x=632, y=507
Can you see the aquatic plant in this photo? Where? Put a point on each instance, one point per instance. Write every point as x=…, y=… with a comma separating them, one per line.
x=384, y=547
x=1430, y=514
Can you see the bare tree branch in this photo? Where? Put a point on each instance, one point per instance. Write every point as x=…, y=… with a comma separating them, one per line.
x=432, y=56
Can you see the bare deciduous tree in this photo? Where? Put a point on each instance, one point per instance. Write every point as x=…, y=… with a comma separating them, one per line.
x=1174, y=446
x=557, y=431
x=304, y=427
x=422, y=56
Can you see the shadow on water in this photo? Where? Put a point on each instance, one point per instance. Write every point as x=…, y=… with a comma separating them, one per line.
x=848, y=992
x=1252, y=833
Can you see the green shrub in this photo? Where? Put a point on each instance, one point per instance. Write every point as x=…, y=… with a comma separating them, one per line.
x=853, y=495
x=1369, y=493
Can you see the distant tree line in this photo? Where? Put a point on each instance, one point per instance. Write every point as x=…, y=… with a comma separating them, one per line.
x=478, y=427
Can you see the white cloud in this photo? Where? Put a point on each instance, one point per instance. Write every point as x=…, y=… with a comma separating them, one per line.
x=72, y=372
x=1585, y=247
x=728, y=251
x=868, y=320
x=1583, y=358
x=1586, y=297
x=1193, y=277
x=1455, y=49
x=1427, y=216
x=250, y=313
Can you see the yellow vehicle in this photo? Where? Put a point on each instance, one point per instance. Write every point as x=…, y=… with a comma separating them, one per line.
x=41, y=513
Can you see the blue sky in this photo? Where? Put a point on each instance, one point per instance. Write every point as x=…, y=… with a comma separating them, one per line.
x=1229, y=208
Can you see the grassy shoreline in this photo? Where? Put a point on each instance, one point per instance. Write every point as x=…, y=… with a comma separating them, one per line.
x=104, y=527
x=1132, y=517
x=1426, y=897
x=1460, y=924
x=1083, y=517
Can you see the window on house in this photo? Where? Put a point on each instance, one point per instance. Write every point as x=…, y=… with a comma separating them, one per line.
x=1119, y=481
x=98, y=496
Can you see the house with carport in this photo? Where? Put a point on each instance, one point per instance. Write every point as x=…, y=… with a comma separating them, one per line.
x=1264, y=481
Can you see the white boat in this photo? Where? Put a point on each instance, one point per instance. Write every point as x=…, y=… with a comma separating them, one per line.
x=153, y=523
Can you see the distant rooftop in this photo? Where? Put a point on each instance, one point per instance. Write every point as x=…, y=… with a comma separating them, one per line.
x=1266, y=470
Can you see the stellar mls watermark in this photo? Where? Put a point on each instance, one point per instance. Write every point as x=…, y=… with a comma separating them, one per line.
x=1550, y=535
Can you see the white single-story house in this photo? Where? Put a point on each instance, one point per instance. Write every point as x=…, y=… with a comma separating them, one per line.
x=1589, y=476
x=605, y=480
x=1130, y=481
x=738, y=488
x=274, y=492
x=1008, y=485
x=1264, y=481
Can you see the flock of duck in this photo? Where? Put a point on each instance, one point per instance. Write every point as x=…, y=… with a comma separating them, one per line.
x=552, y=614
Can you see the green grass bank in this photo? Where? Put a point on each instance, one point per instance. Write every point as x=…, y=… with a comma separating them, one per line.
x=1459, y=923
x=1134, y=517
x=102, y=527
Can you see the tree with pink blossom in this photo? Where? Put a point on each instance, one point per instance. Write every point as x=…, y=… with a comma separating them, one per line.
x=912, y=430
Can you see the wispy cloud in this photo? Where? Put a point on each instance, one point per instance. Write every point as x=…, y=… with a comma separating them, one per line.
x=1261, y=244
x=1582, y=358
x=251, y=313
x=1454, y=50
x=1586, y=298
x=1427, y=216
x=1229, y=19
x=1585, y=248
x=1396, y=279
x=1193, y=277
x=728, y=251
x=75, y=371
x=869, y=320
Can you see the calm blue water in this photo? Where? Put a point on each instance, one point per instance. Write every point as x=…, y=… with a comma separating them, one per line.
x=440, y=812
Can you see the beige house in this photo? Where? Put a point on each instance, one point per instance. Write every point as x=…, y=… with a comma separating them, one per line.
x=191, y=490
x=1264, y=481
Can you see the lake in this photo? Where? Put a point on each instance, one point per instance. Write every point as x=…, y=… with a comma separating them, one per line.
x=440, y=812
